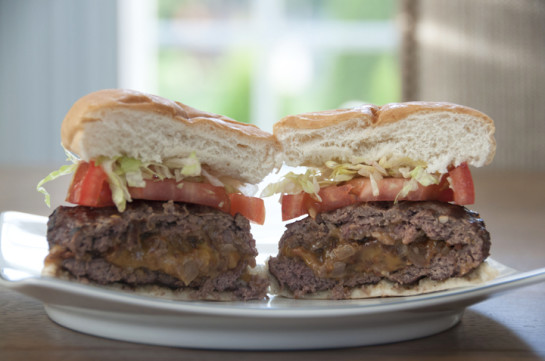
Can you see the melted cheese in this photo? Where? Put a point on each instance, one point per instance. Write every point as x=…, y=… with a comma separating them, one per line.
x=186, y=265
x=376, y=257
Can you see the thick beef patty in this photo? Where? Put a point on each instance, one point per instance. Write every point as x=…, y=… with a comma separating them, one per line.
x=175, y=245
x=365, y=243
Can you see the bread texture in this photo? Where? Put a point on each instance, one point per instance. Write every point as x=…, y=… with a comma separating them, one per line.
x=441, y=134
x=119, y=122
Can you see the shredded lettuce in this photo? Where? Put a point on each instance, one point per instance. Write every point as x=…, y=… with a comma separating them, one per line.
x=118, y=183
x=295, y=183
x=409, y=186
x=124, y=172
x=335, y=173
x=191, y=166
x=421, y=176
x=64, y=170
x=130, y=167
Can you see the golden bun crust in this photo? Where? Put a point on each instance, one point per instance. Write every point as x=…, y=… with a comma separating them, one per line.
x=84, y=110
x=440, y=133
x=372, y=115
x=394, y=112
x=327, y=118
x=121, y=122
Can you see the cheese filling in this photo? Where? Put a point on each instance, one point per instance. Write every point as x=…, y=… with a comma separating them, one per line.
x=180, y=259
x=380, y=256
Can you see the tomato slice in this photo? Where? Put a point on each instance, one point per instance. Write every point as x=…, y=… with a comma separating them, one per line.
x=202, y=193
x=333, y=197
x=90, y=187
x=461, y=191
x=293, y=205
x=189, y=192
x=462, y=185
x=389, y=189
x=250, y=207
x=336, y=197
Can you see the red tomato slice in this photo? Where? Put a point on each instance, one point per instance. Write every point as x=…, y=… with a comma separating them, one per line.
x=357, y=190
x=389, y=189
x=250, y=207
x=189, y=192
x=336, y=197
x=90, y=187
x=462, y=186
x=293, y=205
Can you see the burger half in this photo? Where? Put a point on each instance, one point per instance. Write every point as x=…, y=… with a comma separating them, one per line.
x=384, y=193
x=163, y=199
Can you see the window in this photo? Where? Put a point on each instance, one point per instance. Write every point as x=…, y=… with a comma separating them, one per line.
x=257, y=61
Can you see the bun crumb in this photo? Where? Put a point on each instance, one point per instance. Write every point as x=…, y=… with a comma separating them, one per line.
x=441, y=134
x=119, y=122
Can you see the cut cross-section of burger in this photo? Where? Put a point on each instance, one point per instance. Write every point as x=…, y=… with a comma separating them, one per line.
x=384, y=193
x=163, y=198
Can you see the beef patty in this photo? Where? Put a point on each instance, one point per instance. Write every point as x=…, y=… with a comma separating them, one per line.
x=174, y=245
x=365, y=243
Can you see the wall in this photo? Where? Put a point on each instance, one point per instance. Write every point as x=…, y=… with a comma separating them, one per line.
x=487, y=54
x=51, y=53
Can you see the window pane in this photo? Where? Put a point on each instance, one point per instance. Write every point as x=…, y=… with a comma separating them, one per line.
x=257, y=62
x=203, y=9
x=346, y=78
x=341, y=9
x=216, y=82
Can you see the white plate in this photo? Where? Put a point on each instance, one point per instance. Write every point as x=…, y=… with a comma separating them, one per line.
x=276, y=324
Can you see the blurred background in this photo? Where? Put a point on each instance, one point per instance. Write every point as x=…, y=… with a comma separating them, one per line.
x=257, y=61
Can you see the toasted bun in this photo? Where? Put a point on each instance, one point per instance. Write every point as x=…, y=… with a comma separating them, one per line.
x=117, y=122
x=484, y=273
x=441, y=134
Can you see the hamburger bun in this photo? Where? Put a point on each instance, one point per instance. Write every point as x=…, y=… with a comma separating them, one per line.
x=119, y=122
x=441, y=134
x=385, y=194
x=161, y=204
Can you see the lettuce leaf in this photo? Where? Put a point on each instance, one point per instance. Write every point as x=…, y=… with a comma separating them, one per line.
x=333, y=173
x=118, y=183
x=421, y=176
x=295, y=183
x=125, y=172
x=63, y=170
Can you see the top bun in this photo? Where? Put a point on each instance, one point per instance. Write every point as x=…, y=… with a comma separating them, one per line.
x=441, y=134
x=117, y=122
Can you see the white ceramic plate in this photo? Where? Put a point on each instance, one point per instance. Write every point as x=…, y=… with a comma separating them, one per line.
x=275, y=324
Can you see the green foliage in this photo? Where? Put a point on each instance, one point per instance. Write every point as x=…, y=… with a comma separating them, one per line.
x=218, y=83
x=168, y=9
x=221, y=81
x=360, y=9
x=349, y=77
x=342, y=9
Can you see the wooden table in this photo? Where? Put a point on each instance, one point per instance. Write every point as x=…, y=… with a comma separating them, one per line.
x=507, y=327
